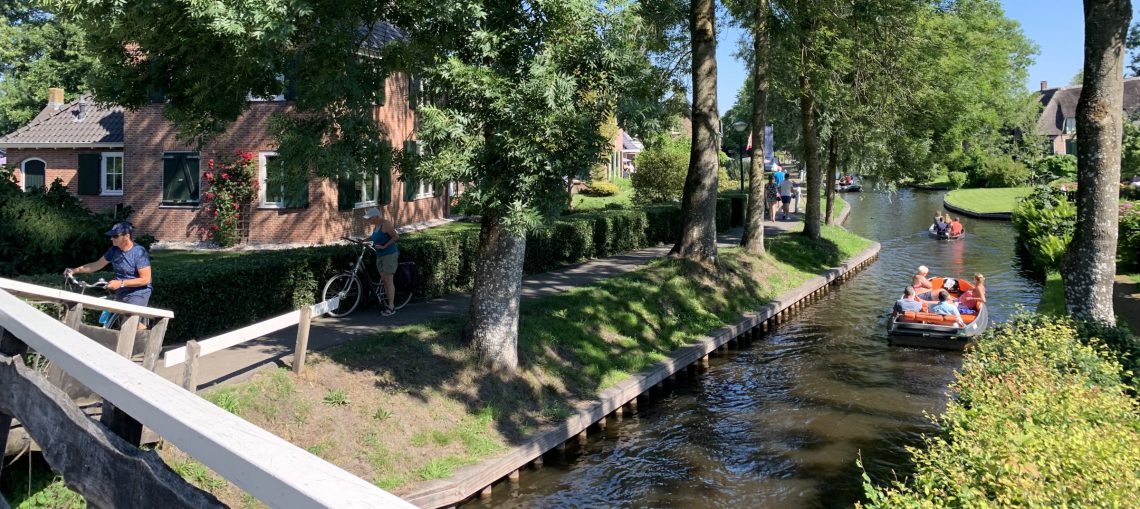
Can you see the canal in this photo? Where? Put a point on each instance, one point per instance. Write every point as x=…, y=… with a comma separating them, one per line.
x=782, y=422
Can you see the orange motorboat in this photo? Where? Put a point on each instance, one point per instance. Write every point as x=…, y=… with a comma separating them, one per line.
x=932, y=330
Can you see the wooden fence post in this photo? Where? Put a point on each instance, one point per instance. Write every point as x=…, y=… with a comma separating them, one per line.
x=114, y=419
x=154, y=340
x=190, y=372
x=302, y=339
x=10, y=346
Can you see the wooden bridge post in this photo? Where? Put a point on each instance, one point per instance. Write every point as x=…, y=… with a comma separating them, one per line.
x=190, y=371
x=154, y=340
x=10, y=346
x=302, y=339
x=114, y=419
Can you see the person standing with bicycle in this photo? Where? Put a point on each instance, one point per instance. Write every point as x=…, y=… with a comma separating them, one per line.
x=384, y=238
x=131, y=263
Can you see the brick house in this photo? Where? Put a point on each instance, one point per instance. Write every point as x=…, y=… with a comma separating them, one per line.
x=111, y=157
x=1058, y=121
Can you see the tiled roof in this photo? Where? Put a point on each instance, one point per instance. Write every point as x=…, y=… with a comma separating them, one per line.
x=1061, y=103
x=630, y=144
x=101, y=126
x=382, y=34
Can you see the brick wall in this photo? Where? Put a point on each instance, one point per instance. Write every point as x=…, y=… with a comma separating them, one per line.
x=148, y=135
x=63, y=163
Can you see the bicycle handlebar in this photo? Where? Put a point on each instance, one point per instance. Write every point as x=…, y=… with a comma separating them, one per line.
x=359, y=242
x=70, y=278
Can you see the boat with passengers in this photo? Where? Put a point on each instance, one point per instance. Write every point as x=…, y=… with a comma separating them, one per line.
x=944, y=235
x=932, y=330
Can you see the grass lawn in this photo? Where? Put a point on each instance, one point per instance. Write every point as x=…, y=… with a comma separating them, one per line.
x=939, y=182
x=987, y=200
x=624, y=197
x=413, y=404
x=1053, y=296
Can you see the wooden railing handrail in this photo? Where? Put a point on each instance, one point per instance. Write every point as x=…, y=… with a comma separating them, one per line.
x=266, y=466
x=236, y=337
x=29, y=290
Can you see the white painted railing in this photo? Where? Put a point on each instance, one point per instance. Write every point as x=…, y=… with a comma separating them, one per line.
x=236, y=337
x=267, y=467
x=34, y=292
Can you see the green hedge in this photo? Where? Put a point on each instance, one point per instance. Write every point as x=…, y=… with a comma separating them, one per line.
x=1041, y=419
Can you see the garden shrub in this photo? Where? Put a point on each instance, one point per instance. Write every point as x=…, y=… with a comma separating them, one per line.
x=601, y=188
x=663, y=223
x=957, y=179
x=1128, y=240
x=661, y=169
x=1057, y=166
x=1040, y=420
x=1044, y=222
x=1001, y=171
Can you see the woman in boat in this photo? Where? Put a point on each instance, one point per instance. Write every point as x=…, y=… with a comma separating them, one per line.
x=974, y=299
x=919, y=281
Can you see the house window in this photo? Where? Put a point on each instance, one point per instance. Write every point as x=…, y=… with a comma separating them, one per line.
x=180, y=178
x=33, y=171
x=111, y=174
x=365, y=191
x=1070, y=125
x=272, y=176
x=424, y=189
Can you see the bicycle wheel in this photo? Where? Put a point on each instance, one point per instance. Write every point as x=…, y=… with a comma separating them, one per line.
x=403, y=289
x=347, y=287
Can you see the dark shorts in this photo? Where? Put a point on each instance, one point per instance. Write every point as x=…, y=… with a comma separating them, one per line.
x=786, y=199
x=138, y=298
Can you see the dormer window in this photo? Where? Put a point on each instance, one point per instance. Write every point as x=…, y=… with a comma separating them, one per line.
x=1070, y=125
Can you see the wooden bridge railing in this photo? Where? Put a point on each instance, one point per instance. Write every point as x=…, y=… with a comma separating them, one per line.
x=267, y=467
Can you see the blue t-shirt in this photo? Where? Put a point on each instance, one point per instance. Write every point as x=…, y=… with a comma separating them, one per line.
x=127, y=264
x=945, y=308
x=779, y=176
x=380, y=237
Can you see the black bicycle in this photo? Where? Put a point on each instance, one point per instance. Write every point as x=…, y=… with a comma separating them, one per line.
x=107, y=319
x=356, y=284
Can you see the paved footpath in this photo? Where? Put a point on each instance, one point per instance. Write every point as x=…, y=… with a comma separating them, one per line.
x=238, y=363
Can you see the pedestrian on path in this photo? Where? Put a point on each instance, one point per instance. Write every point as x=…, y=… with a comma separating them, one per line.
x=787, y=189
x=771, y=197
x=384, y=238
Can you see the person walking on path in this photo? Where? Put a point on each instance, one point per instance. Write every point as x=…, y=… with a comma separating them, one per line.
x=131, y=264
x=787, y=189
x=384, y=237
x=771, y=197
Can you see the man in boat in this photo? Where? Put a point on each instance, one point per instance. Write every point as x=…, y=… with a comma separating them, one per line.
x=908, y=302
x=941, y=224
x=956, y=227
x=946, y=307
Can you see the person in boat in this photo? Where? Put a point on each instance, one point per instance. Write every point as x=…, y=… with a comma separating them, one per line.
x=976, y=298
x=919, y=281
x=956, y=227
x=908, y=302
x=946, y=307
x=941, y=225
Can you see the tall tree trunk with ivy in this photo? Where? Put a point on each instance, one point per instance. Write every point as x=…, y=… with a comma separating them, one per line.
x=1090, y=265
x=698, y=203
x=753, y=239
x=493, y=317
x=832, y=173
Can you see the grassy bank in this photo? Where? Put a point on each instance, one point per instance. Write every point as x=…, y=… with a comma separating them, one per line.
x=412, y=404
x=1053, y=296
x=987, y=201
x=624, y=198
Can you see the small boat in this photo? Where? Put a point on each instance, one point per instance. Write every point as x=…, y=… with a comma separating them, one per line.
x=931, y=330
x=848, y=188
x=945, y=235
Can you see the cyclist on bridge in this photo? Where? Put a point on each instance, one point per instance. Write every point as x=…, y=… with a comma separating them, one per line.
x=131, y=263
x=384, y=238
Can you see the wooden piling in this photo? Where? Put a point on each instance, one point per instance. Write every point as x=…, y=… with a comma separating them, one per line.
x=302, y=339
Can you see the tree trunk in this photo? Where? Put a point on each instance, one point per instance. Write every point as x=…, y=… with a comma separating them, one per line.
x=493, y=319
x=698, y=204
x=832, y=174
x=753, y=239
x=1090, y=265
x=811, y=156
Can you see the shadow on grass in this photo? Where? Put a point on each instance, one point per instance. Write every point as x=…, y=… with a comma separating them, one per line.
x=805, y=254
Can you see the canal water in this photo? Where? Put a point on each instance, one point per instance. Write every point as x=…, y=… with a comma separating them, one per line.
x=782, y=422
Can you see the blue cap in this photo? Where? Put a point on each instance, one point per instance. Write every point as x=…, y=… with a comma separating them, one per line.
x=119, y=229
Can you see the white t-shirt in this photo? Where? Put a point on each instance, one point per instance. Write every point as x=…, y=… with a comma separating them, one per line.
x=787, y=187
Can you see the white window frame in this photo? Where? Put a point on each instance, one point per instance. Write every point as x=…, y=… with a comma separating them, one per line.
x=373, y=202
x=1070, y=125
x=263, y=180
x=103, y=191
x=426, y=190
x=24, y=173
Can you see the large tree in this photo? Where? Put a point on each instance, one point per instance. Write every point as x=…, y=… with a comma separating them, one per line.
x=1090, y=265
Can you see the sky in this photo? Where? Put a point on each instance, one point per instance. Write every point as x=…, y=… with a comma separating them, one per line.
x=1058, y=31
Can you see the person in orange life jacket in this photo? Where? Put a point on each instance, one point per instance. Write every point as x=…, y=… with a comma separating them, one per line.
x=384, y=238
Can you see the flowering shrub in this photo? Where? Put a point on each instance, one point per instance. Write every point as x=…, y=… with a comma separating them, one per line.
x=233, y=184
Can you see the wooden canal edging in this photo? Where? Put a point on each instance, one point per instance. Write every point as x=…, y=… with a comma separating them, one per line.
x=479, y=479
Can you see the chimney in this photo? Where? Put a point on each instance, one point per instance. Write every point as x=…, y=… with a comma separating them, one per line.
x=1044, y=85
x=82, y=110
x=55, y=98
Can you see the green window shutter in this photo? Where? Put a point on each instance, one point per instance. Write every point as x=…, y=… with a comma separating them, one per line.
x=413, y=92
x=345, y=193
x=89, y=174
x=180, y=180
x=411, y=158
x=382, y=93
x=385, y=171
x=170, y=164
x=189, y=169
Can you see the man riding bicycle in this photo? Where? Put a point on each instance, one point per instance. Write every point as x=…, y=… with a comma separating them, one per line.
x=131, y=263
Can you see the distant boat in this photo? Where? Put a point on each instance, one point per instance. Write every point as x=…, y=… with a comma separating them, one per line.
x=931, y=330
x=945, y=235
x=847, y=185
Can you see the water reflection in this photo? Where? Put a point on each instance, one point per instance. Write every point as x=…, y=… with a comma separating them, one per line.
x=781, y=423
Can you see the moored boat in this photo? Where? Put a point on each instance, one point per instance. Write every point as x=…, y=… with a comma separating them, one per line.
x=931, y=330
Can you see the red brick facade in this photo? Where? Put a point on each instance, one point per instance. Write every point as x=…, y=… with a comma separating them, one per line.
x=63, y=164
x=148, y=135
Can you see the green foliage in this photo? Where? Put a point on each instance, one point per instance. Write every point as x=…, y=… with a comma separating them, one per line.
x=233, y=185
x=336, y=397
x=601, y=188
x=1001, y=171
x=1044, y=222
x=1128, y=240
x=1055, y=167
x=661, y=170
x=957, y=179
x=1130, y=144
x=48, y=231
x=1040, y=419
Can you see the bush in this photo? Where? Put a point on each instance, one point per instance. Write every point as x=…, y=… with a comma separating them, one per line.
x=1040, y=420
x=47, y=231
x=1058, y=166
x=1044, y=222
x=957, y=179
x=601, y=188
x=1128, y=241
x=661, y=169
x=1001, y=171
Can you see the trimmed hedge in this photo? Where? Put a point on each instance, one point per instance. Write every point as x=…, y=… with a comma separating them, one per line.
x=1041, y=419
